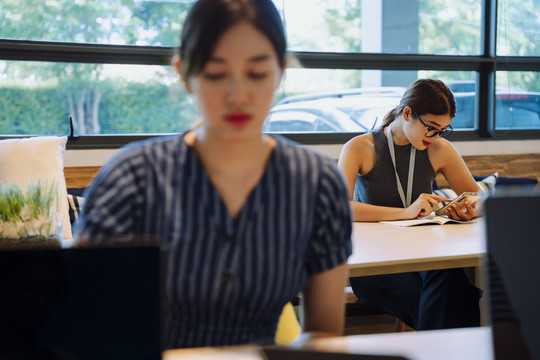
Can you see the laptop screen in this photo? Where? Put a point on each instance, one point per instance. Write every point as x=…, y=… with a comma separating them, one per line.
x=80, y=303
x=288, y=353
x=513, y=246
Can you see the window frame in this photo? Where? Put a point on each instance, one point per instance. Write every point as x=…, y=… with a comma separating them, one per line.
x=485, y=65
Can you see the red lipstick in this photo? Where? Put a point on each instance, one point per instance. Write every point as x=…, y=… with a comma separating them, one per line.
x=237, y=119
x=425, y=143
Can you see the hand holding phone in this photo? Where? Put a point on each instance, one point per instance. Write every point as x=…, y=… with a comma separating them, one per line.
x=471, y=197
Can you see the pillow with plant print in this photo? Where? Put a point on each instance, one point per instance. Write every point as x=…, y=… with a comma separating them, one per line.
x=37, y=160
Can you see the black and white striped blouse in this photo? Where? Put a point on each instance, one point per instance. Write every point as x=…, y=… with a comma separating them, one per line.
x=227, y=279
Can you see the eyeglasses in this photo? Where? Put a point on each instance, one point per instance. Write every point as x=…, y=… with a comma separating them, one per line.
x=431, y=131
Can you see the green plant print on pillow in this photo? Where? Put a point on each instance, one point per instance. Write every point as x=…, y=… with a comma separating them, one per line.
x=29, y=216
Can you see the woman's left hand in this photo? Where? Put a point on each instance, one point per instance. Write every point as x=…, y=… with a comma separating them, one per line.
x=467, y=212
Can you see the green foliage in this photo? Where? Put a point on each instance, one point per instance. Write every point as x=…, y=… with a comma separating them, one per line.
x=146, y=108
x=41, y=199
x=38, y=199
x=94, y=21
x=125, y=108
x=39, y=97
x=448, y=28
x=518, y=28
x=345, y=25
x=12, y=201
x=27, y=111
x=30, y=213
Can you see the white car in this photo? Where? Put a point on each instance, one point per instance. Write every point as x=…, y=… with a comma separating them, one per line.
x=355, y=110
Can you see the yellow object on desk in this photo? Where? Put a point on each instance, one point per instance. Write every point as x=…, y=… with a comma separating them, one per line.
x=288, y=327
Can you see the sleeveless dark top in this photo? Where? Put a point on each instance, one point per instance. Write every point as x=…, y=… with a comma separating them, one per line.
x=379, y=186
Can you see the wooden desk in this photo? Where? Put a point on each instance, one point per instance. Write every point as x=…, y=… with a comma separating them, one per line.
x=386, y=249
x=468, y=343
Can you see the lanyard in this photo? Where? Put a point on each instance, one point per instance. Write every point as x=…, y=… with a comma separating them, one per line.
x=411, y=170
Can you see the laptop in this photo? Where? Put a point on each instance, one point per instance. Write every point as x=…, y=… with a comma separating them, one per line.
x=284, y=353
x=81, y=303
x=512, y=223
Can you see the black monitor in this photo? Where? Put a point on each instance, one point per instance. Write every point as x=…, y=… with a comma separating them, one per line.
x=512, y=222
x=81, y=303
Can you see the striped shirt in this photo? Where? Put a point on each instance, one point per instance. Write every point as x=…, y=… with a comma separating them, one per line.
x=226, y=279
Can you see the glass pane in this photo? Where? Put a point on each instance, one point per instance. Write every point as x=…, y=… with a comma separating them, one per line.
x=463, y=84
x=451, y=27
x=121, y=22
x=374, y=26
x=518, y=28
x=317, y=100
x=517, y=100
x=37, y=98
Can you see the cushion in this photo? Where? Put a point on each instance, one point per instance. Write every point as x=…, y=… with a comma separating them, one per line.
x=510, y=181
x=37, y=158
x=487, y=183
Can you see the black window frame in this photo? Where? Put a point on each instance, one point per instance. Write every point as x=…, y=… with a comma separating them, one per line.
x=485, y=65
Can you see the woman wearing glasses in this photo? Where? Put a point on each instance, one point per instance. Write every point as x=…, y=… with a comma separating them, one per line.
x=389, y=173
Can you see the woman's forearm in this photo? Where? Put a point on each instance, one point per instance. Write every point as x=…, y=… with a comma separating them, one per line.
x=368, y=212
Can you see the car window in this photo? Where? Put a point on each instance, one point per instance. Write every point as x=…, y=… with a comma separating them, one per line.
x=322, y=125
x=290, y=126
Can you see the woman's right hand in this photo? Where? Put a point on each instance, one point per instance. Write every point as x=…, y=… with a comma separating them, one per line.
x=424, y=205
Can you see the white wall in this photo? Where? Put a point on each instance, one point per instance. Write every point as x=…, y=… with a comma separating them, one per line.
x=99, y=157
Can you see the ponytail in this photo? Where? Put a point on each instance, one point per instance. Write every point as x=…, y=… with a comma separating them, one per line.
x=390, y=117
x=425, y=96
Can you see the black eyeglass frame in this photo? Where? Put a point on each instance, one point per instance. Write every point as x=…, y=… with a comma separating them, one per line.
x=442, y=133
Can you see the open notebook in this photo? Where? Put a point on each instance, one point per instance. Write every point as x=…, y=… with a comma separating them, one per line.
x=513, y=245
x=428, y=220
x=81, y=303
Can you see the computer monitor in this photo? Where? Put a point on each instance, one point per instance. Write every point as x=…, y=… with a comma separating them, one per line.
x=513, y=252
x=81, y=303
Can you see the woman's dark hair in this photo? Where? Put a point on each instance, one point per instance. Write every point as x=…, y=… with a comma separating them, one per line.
x=209, y=19
x=425, y=96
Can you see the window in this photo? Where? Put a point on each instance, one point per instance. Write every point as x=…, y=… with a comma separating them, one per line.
x=38, y=98
x=360, y=109
x=518, y=28
x=517, y=107
x=114, y=22
x=105, y=64
x=389, y=26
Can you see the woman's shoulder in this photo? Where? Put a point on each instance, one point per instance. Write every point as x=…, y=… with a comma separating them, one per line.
x=441, y=147
x=363, y=140
x=298, y=157
x=154, y=147
x=165, y=141
x=290, y=150
x=442, y=153
x=146, y=153
x=360, y=145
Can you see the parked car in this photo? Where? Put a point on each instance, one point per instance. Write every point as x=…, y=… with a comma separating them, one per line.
x=361, y=110
x=354, y=110
x=513, y=110
x=309, y=116
x=387, y=91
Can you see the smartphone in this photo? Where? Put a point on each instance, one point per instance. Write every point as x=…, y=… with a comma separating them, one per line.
x=471, y=197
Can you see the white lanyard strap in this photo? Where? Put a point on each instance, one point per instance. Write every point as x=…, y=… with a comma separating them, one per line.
x=412, y=158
